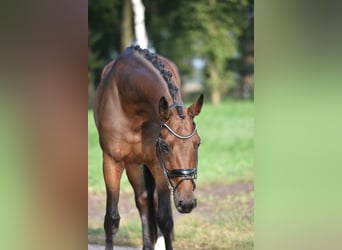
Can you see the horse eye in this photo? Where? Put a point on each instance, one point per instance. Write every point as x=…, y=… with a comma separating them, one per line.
x=165, y=148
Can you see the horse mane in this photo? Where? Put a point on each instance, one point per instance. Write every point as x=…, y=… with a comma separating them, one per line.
x=166, y=74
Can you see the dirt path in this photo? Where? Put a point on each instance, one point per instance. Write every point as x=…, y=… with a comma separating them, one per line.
x=97, y=247
x=96, y=204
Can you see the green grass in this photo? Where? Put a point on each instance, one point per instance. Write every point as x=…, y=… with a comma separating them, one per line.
x=226, y=151
x=225, y=154
x=95, y=177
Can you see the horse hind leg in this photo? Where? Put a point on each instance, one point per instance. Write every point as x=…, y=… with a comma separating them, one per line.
x=160, y=244
x=112, y=173
x=143, y=185
x=149, y=185
x=164, y=214
x=164, y=219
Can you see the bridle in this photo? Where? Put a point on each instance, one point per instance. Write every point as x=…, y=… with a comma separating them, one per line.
x=186, y=174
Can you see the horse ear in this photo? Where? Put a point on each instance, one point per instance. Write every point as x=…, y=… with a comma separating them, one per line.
x=164, y=108
x=196, y=107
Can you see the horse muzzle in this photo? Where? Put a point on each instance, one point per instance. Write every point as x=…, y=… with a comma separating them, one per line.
x=185, y=205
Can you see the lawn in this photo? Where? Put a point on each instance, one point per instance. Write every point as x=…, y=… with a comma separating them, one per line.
x=224, y=220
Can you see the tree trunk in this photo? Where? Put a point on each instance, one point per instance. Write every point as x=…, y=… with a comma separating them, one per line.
x=215, y=85
x=139, y=24
x=216, y=97
x=126, y=25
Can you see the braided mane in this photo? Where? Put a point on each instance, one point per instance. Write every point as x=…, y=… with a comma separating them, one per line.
x=166, y=74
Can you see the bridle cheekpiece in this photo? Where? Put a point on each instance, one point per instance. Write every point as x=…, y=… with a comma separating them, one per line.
x=186, y=174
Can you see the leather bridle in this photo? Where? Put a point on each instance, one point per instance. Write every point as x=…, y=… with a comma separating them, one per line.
x=185, y=174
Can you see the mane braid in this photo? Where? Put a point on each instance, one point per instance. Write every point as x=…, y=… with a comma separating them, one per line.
x=167, y=75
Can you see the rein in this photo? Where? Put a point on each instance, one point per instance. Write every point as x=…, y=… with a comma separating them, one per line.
x=186, y=174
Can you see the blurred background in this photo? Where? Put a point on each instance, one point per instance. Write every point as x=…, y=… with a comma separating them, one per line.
x=212, y=43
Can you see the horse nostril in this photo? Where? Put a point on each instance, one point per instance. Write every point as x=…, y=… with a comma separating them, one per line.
x=185, y=206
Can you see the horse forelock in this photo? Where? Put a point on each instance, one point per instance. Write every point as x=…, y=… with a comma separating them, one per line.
x=166, y=74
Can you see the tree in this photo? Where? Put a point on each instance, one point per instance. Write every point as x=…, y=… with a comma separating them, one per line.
x=217, y=45
x=246, y=47
x=126, y=25
x=104, y=21
x=213, y=30
x=208, y=29
x=139, y=23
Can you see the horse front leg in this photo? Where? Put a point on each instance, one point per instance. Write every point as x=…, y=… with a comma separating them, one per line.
x=112, y=172
x=143, y=185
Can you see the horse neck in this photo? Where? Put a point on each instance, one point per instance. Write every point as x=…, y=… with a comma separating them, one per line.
x=143, y=87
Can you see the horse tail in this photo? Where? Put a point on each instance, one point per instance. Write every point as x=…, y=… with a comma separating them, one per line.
x=150, y=187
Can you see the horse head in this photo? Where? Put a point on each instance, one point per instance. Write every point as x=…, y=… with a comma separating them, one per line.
x=177, y=148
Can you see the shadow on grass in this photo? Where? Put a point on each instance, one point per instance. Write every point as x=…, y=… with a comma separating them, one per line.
x=126, y=236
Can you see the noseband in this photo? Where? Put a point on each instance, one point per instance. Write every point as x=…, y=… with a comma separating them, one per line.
x=186, y=174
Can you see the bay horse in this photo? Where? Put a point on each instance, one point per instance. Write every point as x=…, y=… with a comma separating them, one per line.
x=142, y=121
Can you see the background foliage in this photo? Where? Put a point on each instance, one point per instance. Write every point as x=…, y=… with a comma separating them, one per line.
x=219, y=32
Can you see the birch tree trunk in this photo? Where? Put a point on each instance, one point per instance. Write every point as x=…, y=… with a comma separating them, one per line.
x=126, y=25
x=139, y=23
